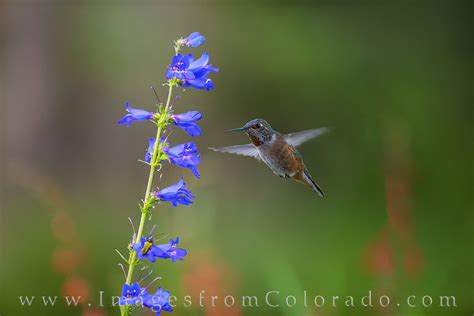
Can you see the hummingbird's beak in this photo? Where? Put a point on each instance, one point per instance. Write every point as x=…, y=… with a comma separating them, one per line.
x=235, y=129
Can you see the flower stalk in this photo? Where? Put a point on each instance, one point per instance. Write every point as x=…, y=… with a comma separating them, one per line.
x=184, y=72
x=161, y=124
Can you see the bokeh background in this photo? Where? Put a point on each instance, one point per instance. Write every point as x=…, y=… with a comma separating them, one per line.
x=391, y=79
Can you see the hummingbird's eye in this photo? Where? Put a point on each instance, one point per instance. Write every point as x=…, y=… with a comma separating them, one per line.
x=258, y=125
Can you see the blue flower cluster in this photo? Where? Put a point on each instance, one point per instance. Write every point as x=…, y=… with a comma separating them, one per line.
x=135, y=295
x=184, y=71
x=190, y=72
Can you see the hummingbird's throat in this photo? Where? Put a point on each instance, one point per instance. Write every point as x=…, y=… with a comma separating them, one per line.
x=255, y=140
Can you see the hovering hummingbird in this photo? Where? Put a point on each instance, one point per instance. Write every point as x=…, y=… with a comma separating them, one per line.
x=277, y=151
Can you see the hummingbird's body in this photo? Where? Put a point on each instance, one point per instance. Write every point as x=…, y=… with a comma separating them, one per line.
x=277, y=151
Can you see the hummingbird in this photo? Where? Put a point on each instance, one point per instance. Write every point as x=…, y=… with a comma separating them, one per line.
x=278, y=151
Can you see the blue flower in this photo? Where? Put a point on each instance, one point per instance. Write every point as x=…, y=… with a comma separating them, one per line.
x=185, y=156
x=145, y=249
x=187, y=122
x=135, y=115
x=160, y=301
x=131, y=294
x=176, y=194
x=179, y=68
x=149, y=151
x=191, y=73
x=169, y=251
x=194, y=40
x=200, y=83
x=201, y=69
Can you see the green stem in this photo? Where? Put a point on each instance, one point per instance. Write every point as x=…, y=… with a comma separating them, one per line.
x=132, y=261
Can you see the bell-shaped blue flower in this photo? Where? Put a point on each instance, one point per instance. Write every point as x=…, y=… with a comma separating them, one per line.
x=149, y=150
x=179, y=68
x=185, y=156
x=203, y=83
x=176, y=194
x=194, y=39
x=132, y=294
x=201, y=67
x=170, y=251
x=160, y=301
x=187, y=122
x=135, y=115
x=190, y=72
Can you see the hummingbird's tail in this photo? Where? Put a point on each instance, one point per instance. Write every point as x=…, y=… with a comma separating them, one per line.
x=307, y=180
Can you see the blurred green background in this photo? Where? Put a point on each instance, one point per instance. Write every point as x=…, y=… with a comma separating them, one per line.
x=391, y=79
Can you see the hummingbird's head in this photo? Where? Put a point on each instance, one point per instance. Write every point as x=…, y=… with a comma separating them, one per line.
x=258, y=130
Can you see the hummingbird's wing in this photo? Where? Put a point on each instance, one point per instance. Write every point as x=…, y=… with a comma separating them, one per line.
x=244, y=150
x=296, y=139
